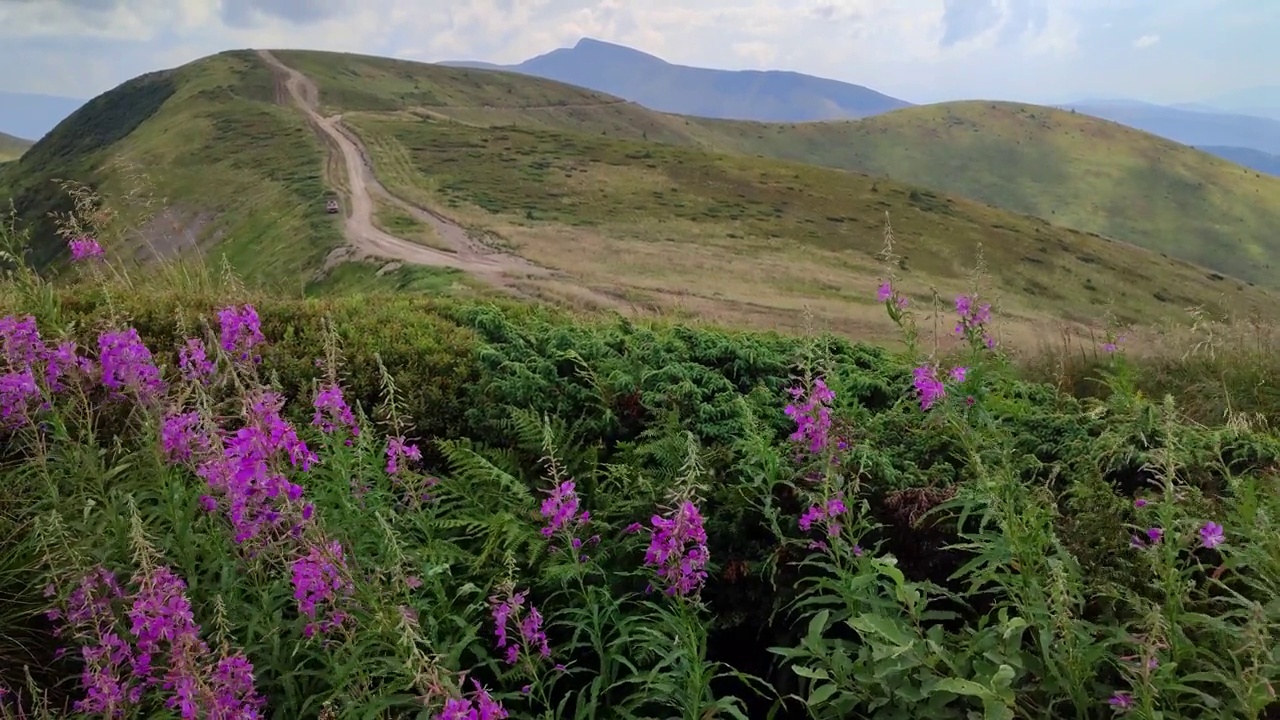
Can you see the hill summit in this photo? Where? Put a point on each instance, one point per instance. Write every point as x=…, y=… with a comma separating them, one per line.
x=765, y=95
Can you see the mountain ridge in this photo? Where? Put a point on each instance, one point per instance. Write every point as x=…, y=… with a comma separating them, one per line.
x=763, y=95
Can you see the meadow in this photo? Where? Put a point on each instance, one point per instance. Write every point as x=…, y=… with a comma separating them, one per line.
x=220, y=503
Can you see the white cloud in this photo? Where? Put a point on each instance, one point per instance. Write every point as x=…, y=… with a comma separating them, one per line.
x=1146, y=41
x=760, y=54
x=917, y=49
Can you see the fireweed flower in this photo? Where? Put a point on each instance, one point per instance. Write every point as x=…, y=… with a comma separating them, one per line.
x=232, y=687
x=812, y=415
x=887, y=291
x=827, y=514
x=245, y=470
x=62, y=362
x=560, y=509
x=84, y=248
x=161, y=620
x=193, y=361
x=928, y=386
x=109, y=683
x=18, y=391
x=127, y=365
x=332, y=411
x=1211, y=535
x=241, y=330
x=398, y=451
x=182, y=437
x=1152, y=537
x=281, y=437
x=1121, y=701
x=480, y=706
x=529, y=628
x=320, y=579
x=20, y=341
x=973, y=320
x=166, y=651
x=678, y=549
x=109, y=673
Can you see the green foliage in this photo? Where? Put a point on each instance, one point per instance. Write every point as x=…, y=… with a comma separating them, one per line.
x=981, y=566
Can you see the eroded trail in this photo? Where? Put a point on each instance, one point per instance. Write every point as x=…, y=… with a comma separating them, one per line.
x=365, y=239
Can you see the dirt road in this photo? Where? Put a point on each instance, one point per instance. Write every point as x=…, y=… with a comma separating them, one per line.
x=365, y=239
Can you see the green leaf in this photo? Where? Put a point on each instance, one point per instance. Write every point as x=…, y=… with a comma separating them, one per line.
x=821, y=694
x=811, y=673
x=817, y=626
x=960, y=686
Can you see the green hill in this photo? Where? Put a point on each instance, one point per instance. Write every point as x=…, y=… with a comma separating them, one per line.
x=613, y=204
x=11, y=148
x=1074, y=170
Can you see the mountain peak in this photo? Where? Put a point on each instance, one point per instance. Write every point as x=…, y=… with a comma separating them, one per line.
x=596, y=47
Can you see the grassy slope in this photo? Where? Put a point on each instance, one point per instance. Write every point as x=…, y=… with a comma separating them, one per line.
x=11, y=148
x=1072, y=169
x=214, y=147
x=729, y=236
x=700, y=234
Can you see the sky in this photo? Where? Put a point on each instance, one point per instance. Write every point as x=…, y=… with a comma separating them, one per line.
x=1046, y=51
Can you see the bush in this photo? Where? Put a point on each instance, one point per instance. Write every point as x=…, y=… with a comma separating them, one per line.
x=841, y=531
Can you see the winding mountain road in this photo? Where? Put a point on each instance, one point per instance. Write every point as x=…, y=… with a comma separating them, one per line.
x=366, y=240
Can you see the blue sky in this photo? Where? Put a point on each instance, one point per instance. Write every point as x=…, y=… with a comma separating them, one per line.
x=919, y=50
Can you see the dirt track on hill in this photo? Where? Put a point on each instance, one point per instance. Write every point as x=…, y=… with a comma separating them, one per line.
x=365, y=239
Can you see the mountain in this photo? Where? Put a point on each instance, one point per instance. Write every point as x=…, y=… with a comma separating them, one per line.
x=1261, y=100
x=11, y=148
x=1248, y=157
x=1069, y=168
x=31, y=116
x=1190, y=127
x=763, y=95
x=502, y=182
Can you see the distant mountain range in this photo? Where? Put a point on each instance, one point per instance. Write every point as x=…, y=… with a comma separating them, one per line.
x=1190, y=127
x=1216, y=125
x=31, y=116
x=1243, y=139
x=1262, y=101
x=1248, y=157
x=777, y=96
x=762, y=95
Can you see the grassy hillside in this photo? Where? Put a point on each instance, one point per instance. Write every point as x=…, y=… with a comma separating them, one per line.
x=577, y=181
x=202, y=153
x=1072, y=169
x=11, y=148
x=1248, y=157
